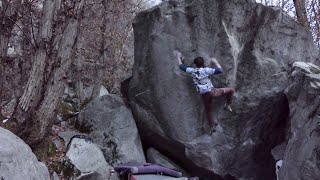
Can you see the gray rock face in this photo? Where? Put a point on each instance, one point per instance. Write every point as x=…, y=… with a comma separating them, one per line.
x=212, y=152
x=278, y=151
x=302, y=155
x=253, y=43
x=17, y=161
x=87, y=161
x=110, y=125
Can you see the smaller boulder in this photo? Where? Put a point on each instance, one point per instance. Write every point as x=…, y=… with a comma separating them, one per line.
x=110, y=124
x=84, y=160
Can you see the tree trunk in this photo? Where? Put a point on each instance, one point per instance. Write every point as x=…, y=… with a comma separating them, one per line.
x=301, y=13
x=315, y=8
x=47, y=111
x=32, y=94
x=36, y=109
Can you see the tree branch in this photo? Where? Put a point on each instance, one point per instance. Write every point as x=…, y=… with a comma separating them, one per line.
x=32, y=31
x=20, y=30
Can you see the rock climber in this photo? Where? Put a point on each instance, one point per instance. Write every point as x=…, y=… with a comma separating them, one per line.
x=202, y=81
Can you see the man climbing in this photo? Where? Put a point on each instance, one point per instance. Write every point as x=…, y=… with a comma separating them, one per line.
x=202, y=81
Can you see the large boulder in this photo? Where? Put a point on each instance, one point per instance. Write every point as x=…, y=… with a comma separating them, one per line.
x=302, y=156
x=17, y=160
x=110, y=124
x=255, y=46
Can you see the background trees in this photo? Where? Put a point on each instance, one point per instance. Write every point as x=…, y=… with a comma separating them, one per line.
x=51, y=48
x=307, y=13
x=46, y=44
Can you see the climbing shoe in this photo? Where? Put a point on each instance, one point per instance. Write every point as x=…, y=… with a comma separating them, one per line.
x=228, y=107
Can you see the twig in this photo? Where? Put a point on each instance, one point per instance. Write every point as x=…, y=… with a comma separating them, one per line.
x=32, y=31
x=141, y=93
x=20, y=30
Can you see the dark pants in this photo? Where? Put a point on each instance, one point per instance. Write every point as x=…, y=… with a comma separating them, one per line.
x=207, y=100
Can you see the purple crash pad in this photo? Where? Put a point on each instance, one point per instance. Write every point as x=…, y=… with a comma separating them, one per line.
x=146, y=168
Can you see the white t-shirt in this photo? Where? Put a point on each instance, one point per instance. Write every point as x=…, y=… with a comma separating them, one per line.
x=201, y=78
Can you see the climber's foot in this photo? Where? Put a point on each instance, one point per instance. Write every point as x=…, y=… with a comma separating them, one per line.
x=228, y=107
x=212, y=130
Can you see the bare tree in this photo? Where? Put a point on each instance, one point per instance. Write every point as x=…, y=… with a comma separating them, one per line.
x=51, y=29
x=306, y=12
x=314, y=16
x=36, y=108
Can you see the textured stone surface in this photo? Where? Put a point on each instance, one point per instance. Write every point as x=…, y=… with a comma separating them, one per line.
x=110, y=124
x=210, y=152
x=17, y=161
x=255, y=46
x=302, y=156
x=88, y=161
x=278, y=151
